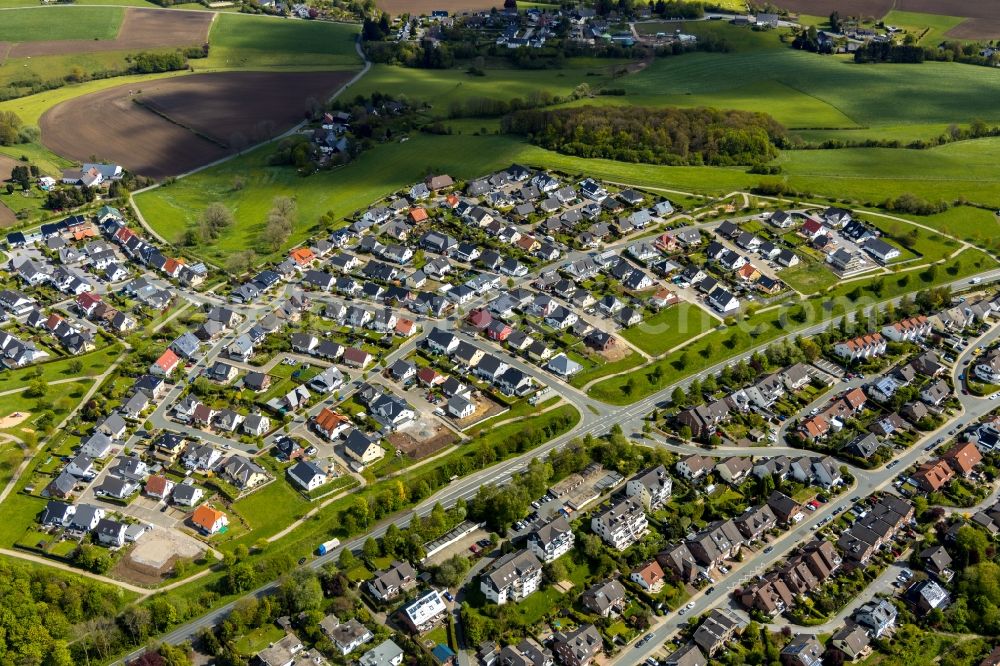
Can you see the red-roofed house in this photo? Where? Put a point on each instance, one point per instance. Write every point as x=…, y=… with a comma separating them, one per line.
x=166, y=364
x=405, y=327
x=209, y=520
x=418, y=214
x=855, y=398
x=430, y=377
x=527, y=243
x=648, y=576
x=330, y=424
x=480, y=318
x=123, y=235
x=816, y=427
x=963, y=458
x=302, y=256
x=663, y=298
x=86, y=302
x=666, y=242
x=172, y=267
x=862, y=347
x=159, y=486
x=932, y=476
x=810, y=229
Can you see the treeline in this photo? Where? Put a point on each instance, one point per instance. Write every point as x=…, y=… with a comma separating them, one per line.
x=140, y=63
x=151, y=63
x=653, y=136
x=872, y=51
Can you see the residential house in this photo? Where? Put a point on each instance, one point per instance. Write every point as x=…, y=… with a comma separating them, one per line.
x=552, y=540
x=607, y=598
x=512, y=577
x=578, y=647
x=390, y=583
x=621, y=524
x=652, y=486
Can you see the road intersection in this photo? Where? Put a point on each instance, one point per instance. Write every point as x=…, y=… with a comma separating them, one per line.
x=597, y=418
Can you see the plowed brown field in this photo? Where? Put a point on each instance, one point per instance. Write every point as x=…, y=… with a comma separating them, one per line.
x=171, y=126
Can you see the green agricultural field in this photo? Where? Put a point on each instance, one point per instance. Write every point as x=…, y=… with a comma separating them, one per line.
x=341, y=192
x=737, y=39
x=442, y=88
x=9, y=4
x=239, y=41
x=929, y=29
x=669, y=327
x=806, y=91
x=977, y=225
x=56, y=23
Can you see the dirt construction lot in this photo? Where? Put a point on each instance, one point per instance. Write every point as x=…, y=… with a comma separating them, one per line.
x=174, y=125
x=141, y=30
x=422, y=438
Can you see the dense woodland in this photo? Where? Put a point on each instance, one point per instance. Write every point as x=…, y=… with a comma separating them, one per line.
x=653, y=136
x=43, y=611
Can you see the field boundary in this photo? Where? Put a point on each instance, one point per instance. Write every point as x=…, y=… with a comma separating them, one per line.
x=151, y=107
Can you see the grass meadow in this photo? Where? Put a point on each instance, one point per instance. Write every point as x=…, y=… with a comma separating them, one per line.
x=968, y=169
x=239, y=41
x=57, y=23
x=929, y=29
x=809, y=92
x=670, y=327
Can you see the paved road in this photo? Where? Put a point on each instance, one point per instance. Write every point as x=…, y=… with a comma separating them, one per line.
x=597, y=424
x=867, y=482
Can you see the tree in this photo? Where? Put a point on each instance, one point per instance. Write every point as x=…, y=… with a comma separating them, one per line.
x=36, y=389
x=452, y=571
x=59, y=655
x=346, y=560
x=215, y=220
x=370, y=549
x=555, y=571
x=276, y=232
x=241, y=262
x=301, y=591
x=677, y=397
x=10, y=128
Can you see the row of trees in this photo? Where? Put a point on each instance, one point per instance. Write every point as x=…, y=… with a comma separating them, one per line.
x=653, y=135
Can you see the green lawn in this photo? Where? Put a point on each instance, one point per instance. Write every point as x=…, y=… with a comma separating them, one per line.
x=57, y=23
x=256, y=42
x=93, y=363
x=256, y=640
x=808, y=277
x=976, y=225
x=271, y=509
x=595, y=371
x=669, y=328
